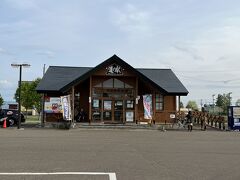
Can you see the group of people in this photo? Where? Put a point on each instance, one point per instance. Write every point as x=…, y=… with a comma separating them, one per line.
x=189, y=118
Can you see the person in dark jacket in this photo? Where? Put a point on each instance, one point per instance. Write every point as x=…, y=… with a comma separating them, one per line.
x=1, y=113
x=81, y=116
x=189, y=121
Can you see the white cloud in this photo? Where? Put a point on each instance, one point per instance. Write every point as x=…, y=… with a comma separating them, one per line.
x=6, y=84
x=195, y=40
x=132, y=19
x=22, y=4
x=2, y=51
x=5, y=52
x=47, y=53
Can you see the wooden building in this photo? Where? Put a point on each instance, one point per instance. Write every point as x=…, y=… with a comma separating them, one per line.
x=112, y=92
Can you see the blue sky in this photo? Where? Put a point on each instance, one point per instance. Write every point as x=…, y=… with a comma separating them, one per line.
x=198, y=40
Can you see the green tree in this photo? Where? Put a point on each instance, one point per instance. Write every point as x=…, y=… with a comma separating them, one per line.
x=181, y=104
x=1, y=100
x=238, y=102
x=36, y=96
x=192, y=105
x=223, y=100
x=29, y=97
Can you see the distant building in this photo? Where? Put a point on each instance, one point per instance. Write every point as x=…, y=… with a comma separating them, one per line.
x=10, y=105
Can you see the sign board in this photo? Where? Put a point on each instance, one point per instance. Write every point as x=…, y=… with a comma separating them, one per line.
x=147, y=103
x=66, y=105
x=236, y=112
x=129, y=116
x=52, y=105
x=172, y=116
x=114, y=69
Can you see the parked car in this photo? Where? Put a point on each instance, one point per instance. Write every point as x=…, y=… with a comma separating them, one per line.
x=12, y=117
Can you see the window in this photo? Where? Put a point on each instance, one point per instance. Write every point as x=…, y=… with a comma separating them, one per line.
x=129, y=104
x=118, y=84
x=108, y=83
x=159, y=102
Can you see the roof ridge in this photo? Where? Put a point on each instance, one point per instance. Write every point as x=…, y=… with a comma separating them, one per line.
x=71, y=66
x=154, y=68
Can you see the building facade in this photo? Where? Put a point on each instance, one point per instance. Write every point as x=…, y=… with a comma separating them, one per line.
x=115, y=92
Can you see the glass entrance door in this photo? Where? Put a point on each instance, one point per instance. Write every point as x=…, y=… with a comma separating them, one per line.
x=118, y=111
x=113, y=110
x=107, y=110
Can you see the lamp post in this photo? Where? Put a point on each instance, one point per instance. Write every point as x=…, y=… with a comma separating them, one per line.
x=19, y=88
x=213, y=102
x=230, y=98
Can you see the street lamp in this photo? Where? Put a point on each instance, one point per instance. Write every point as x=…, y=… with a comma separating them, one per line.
x=19, y=87
x=213, y=102
x=230, y=98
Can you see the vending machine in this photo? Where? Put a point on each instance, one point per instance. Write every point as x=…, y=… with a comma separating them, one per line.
x=234, y=117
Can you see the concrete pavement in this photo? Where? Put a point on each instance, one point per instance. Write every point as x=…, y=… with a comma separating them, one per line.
x=130, y=153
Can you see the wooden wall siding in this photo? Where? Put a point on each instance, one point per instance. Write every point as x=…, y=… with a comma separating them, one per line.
x=83, y=88
x=158, y=116
x=169, y=108
x=169, y=103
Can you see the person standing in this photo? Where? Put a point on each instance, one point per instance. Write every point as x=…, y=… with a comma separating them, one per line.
x=81, y=117
x=1, y=113
x=189, y=121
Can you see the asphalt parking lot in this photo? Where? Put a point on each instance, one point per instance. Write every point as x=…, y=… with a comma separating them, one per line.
x=129, y=154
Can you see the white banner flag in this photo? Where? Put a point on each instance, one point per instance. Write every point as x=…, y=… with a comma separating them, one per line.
x=66, y=107
x=147, y=103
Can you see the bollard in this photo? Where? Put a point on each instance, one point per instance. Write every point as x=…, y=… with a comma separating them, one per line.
x=5, y=123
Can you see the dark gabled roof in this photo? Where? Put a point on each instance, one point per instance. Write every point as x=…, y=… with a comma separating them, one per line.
x=58, y=77
x=166, y=79
x=61, y=79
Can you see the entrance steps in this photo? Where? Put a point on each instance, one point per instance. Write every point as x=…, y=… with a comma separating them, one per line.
x=116, y=126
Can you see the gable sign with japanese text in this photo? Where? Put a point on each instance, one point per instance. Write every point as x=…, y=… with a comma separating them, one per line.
x=114, y=69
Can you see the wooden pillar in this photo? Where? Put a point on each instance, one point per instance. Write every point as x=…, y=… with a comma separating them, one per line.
x=43, y=119
x=153, y=107
x=179, y=102
x=136, y=101
x=73, y=104
x=90, y=100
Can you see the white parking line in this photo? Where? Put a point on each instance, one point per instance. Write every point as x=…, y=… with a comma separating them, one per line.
x=112, y=176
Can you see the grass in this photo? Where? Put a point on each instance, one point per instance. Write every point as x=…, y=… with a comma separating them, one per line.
x=32, y=119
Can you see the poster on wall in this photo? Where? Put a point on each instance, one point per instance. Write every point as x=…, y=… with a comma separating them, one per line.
x=52, y=105
x=107, y=105
x=129, y=116
x=147, y=104
x=96, y=103
x=236, y=112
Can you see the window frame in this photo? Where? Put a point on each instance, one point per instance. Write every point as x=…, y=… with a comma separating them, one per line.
x=159, y=99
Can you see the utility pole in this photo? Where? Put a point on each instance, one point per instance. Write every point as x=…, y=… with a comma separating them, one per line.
x=213, y=102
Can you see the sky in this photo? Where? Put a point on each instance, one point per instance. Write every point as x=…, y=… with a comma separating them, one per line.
x=198, y=40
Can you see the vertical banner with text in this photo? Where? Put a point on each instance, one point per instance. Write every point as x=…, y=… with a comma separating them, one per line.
x=66, y=107
x=147, y=104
